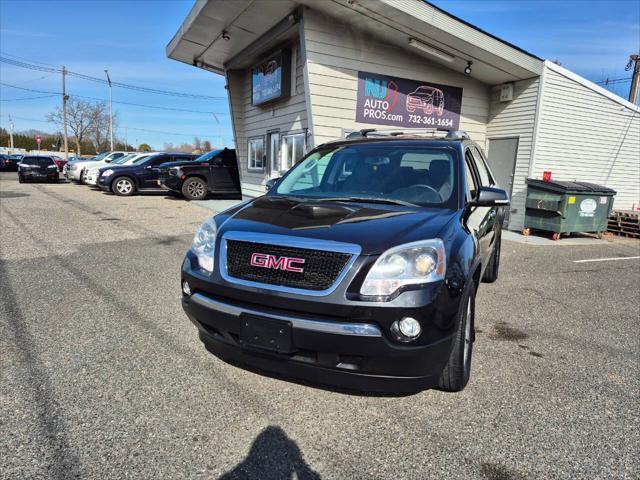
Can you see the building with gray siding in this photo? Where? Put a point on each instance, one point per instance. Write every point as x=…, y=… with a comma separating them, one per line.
x=303, y=72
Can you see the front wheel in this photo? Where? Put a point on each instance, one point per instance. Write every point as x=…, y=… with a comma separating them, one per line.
x=457, y=371
x=194, y=188
x=20, y=179
x=123, y=186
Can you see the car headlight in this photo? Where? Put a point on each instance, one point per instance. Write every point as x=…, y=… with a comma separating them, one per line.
x=107, y=173
x=409, y=264
x=204, y=244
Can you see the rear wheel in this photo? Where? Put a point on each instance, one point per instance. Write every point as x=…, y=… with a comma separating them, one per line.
x=20, y=179
x=123, y=186
x=82, y=175
x=457, y=371
x=491, y=273
x=194, y=188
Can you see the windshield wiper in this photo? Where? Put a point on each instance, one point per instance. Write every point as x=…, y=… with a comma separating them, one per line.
x=391, y=201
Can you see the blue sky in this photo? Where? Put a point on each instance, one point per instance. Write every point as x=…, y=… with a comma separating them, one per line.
x=591, y=37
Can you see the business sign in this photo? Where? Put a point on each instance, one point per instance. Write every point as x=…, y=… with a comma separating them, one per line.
x=271, y=80
x=385, y=100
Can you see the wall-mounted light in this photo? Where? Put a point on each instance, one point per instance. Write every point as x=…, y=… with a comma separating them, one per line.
x=467, y=69
x=225, y=36
x=433, y=51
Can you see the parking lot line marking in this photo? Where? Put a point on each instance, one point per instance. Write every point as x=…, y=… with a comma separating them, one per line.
x=605, y=259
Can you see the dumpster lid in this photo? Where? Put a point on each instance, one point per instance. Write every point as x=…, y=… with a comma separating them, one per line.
x=566, y=186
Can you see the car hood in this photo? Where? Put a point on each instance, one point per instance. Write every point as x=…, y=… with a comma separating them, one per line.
x=90, y=164
x=375, y=227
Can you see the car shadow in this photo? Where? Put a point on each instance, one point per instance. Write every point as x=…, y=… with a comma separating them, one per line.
x=273, y=455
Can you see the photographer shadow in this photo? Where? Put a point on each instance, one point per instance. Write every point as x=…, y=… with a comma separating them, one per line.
x=273, y=455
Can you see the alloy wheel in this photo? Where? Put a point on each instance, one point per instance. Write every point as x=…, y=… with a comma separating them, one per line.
x=195, y=189
x=124, y=186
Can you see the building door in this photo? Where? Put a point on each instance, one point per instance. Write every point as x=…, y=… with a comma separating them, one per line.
x=502, y=161
x=274, y=154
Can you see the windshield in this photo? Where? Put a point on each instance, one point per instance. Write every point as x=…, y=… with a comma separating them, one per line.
x=141, y=159
x=37, y=161
x=121, y=160
x=97, y=158
x=420, y=175
x=205, y=157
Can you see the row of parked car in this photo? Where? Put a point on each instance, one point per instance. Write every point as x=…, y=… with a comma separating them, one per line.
x=127, y=173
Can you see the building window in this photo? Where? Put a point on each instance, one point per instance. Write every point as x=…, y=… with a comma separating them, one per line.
x=292, y=150
x=256, y=154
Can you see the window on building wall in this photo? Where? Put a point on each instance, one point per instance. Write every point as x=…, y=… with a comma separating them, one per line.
x=292, y=150
x=256, y=154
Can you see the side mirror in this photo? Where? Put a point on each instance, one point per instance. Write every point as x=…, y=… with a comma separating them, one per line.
x=491, y=197
x=107, y=160
x=272, y=182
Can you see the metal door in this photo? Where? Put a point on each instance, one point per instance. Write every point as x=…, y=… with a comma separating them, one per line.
x=502, y=161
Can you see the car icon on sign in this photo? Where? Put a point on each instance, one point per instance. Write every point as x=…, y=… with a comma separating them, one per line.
x=427, y=99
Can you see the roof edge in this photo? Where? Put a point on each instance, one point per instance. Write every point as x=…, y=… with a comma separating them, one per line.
x=475, y=27
x=590, y=85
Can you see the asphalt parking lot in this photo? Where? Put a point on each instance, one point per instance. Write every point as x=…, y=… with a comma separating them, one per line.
x=103, y=376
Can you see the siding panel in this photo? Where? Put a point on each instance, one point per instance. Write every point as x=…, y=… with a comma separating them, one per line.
x=587, y=136
x=335, y=54
x=516, y=119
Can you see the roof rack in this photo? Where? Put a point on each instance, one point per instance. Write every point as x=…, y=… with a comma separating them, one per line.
x=430, y=133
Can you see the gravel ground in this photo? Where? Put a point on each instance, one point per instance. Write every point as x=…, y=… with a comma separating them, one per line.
x=102, y=375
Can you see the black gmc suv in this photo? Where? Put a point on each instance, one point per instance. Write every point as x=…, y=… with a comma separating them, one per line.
x=213, y=172
x=358, y=269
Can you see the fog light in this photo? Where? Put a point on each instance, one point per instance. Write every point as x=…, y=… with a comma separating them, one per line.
x=406, y=329
x=186, y=289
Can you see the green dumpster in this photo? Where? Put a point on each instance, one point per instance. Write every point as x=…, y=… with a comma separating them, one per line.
x=565, y=207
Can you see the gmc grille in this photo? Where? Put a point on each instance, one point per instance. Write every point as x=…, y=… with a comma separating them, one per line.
x=321, y=268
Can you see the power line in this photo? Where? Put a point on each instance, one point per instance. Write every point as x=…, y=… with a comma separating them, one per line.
x=130, y=128
x=613, y=81
x=26, y=98
x=114, y=101
x=31, y=66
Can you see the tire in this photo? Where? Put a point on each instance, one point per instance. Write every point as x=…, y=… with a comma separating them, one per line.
x=491, y=272
x=123, y=186
x=457, y=371
x=81, y=179
x=20, y=179
x=194, y=188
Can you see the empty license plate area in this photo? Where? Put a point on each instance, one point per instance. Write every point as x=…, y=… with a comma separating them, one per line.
x=265, y=333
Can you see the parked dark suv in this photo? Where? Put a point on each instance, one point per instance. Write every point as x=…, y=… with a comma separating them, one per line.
x=358, y=269
x=37, y=168
x=126, y=180
x=213, y=172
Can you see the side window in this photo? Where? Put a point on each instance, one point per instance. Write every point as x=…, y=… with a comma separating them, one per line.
x=116, y=156
x=469, y=171
x=229, y=161
x=255, y=160
x=483, y=171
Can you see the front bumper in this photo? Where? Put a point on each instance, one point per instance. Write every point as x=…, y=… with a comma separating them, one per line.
x=345, y=345
x=49, y=176
x=104, y=184
x=170, y=182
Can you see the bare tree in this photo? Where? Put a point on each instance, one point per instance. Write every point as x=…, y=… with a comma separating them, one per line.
x=99, y=131
x=79, y=119
x=206, y=146
x=197, y=143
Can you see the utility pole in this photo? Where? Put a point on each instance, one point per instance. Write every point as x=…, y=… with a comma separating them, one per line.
x=10, y=134
x=65, y=97
x=110, y=112
x=634, y=62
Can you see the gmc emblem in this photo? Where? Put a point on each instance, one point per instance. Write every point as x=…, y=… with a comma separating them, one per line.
x=265, y=260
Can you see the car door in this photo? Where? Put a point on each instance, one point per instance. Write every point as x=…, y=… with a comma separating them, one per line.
x=148, y=171
x=222, y=170
x=480, y=220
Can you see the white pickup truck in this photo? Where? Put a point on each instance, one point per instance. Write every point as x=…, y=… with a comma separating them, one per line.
x=91, y=175
x=76, y=170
